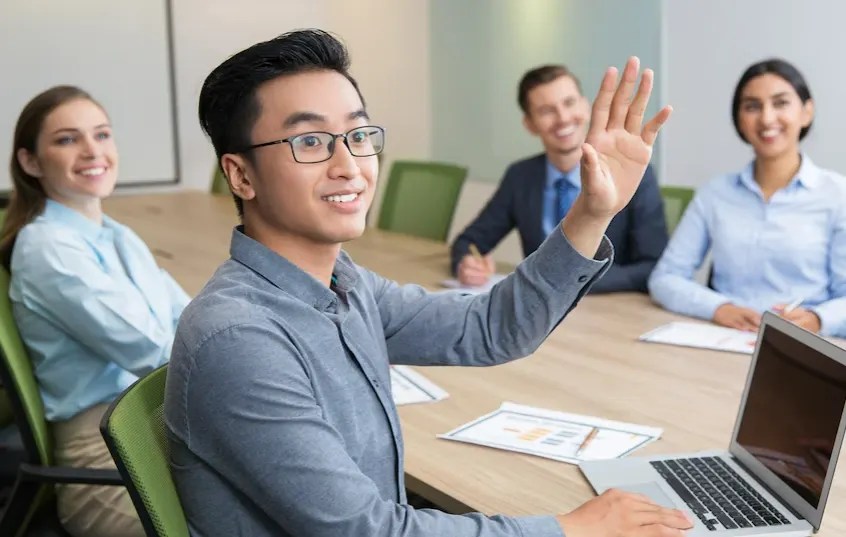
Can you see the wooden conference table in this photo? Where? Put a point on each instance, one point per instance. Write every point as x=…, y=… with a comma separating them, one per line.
x=592, y=364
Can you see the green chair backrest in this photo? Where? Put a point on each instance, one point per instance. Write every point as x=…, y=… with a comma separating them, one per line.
x=24, y=385
x=134, y=430
x=219, y=183
x=420, y=198
x=676, y=199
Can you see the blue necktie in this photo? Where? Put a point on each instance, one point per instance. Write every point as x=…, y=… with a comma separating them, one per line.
x=565, y=196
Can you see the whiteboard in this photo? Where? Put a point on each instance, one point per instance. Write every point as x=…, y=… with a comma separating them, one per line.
x=119, y=51
x=710, y=43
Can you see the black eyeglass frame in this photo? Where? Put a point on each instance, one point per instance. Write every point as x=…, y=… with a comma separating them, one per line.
x=334, y=136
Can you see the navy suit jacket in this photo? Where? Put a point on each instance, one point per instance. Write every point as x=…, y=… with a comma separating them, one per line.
x=638, y=232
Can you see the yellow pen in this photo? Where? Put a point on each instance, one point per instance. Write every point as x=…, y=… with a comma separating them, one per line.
x=586, y=442
x=792, y=306
x=475, y=252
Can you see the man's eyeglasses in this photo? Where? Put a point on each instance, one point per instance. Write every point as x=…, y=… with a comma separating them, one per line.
x=313, y=147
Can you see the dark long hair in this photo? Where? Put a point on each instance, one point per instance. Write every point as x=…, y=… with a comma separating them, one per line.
x=28, y=197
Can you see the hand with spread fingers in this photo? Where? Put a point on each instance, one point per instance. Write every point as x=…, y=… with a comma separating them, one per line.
x=618, y=147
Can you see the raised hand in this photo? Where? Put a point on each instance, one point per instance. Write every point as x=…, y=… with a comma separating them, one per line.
x=618, y=146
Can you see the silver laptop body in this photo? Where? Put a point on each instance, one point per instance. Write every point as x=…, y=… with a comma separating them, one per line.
x=783, y=451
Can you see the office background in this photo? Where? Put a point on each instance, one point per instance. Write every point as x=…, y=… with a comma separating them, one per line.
x=119, y=51
x=441, y=74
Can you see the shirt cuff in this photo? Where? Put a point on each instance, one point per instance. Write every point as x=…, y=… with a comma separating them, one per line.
x=562, y=266
x=707, y=306
x=831, y=319
x=540, y=526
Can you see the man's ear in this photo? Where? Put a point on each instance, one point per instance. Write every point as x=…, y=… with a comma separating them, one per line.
x=530, y=125
x=236, y=169
x=29, y=163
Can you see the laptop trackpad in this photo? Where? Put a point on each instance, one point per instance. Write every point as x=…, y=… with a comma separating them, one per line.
x=653, y=491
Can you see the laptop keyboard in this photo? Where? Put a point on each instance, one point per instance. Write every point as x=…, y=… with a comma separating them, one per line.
x=717, y=494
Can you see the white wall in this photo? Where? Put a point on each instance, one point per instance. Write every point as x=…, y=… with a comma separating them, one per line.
x=124, y=64
x=388, y=41
x=205, y=33
x=709, y=45
x=389, y=44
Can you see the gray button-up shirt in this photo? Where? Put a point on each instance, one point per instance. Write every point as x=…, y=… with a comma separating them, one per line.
x=278, y=401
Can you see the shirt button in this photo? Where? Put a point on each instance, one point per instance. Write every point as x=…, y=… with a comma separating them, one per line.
x=375, y=382
x=583, y=278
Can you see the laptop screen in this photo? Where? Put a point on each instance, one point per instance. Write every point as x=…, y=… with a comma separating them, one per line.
x=793, y=408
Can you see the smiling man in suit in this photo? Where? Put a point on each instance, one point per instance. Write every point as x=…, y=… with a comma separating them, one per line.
x=537, y=192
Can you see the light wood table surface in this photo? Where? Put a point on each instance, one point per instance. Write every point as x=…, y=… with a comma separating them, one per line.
x=592, y=364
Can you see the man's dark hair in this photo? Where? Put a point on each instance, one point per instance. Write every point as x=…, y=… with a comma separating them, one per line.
x=539, y=76
x=776, y=67
x=228, y=104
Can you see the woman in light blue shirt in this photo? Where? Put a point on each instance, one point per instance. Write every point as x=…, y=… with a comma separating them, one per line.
x=776, y=230
x=93, y=309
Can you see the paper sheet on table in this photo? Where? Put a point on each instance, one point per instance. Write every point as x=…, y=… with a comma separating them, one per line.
x=455, y=284
x=554, y=435
x=703, y=336
x=409, y=386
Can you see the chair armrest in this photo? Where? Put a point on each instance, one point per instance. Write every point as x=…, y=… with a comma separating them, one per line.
x=70, y=474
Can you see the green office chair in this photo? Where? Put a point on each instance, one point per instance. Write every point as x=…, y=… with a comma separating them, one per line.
x=219, y=183
x=36, y=473
x=134, y=430
x=676, y=199
x=420, y=198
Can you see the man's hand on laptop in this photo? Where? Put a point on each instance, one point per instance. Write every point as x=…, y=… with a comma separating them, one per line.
x=622, y=514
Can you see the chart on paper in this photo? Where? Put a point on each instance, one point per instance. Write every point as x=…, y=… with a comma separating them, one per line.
x=554, y=435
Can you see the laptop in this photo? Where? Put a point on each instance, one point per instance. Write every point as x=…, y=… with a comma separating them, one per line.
x=776, y=475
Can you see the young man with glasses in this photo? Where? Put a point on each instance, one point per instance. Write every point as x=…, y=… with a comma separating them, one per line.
x=537, y=192
x=278, y=400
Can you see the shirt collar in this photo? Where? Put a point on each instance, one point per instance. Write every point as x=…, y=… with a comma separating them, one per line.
x=553, y=174
x=808, y=176
x=288, y=277
x=64, y=215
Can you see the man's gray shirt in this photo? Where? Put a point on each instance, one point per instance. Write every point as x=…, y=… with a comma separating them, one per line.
x=278, y=401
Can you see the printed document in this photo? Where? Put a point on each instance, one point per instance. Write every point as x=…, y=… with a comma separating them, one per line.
x=455, y=284
x=703, y=336
x=409, y=386
x=554, y=435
